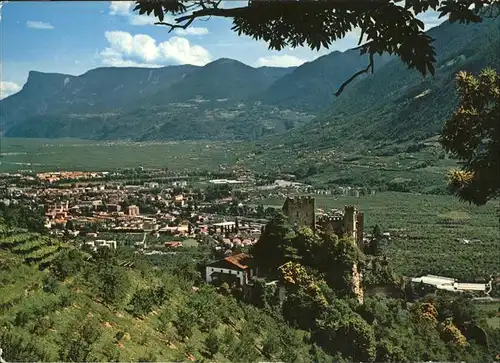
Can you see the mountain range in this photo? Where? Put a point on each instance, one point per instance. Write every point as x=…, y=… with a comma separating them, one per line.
x=226, y=99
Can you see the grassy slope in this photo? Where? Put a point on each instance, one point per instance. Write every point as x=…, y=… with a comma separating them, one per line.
x=143, y=337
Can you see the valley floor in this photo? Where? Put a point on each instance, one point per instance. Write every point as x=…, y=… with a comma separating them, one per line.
x=430, y=233
x=395, y=168
x=74, y=154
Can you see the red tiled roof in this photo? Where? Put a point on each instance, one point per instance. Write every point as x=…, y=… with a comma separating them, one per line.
x=173, y=244
x=238, y=260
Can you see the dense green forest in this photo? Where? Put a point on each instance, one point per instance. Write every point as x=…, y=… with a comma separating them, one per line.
x=61, y=303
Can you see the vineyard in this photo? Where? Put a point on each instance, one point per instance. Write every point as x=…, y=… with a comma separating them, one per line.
x=30, y=247
x=87, y=310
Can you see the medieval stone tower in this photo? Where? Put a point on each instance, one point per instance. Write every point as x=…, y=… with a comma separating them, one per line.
x=301, y=211
x=354, y=224
x=350, y=214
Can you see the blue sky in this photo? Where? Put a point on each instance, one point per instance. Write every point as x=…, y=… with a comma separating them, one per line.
x=73, y=37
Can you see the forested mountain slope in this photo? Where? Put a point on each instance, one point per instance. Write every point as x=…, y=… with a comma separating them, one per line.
x=396, y=104
x=311, y=87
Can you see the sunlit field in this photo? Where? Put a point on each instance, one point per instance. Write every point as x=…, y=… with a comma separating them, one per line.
x=73, y=154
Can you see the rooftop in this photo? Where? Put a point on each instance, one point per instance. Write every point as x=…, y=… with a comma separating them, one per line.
x=240, y=260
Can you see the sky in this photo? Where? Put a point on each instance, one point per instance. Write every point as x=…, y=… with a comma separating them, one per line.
x=73, y=37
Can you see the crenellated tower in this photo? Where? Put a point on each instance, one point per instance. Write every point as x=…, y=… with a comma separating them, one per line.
x=350, y=214
x=301, y=211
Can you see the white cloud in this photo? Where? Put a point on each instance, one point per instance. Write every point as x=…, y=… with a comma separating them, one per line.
x=1, y=4
x=8, y=88
x=39, y=25
x=125, y=9
x=120, y=7
x=192, y=31
x=284, y=60
x=126, y=49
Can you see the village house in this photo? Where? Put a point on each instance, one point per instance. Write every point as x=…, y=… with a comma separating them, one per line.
x=173, y=244
x=179, y=200
x=179, y=183
x=94, y=245
x=151, y=185
x=237, y=269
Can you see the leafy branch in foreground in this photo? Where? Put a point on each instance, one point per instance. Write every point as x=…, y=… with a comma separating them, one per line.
x=389, y=26
x=473, y=135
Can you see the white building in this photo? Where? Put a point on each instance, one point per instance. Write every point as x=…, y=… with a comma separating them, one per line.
x=225, y=181
x=179, y=183
x=233, y=269
x=105, y=243
x=451, y=284
x=151, y=185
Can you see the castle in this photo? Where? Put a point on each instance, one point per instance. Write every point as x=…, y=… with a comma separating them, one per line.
x=302, y=211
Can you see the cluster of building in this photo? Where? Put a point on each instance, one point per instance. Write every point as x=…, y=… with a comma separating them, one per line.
x=56, y=176
x=86, y=209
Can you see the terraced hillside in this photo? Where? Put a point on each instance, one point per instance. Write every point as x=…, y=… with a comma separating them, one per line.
x=30, y=247
x=80, y=309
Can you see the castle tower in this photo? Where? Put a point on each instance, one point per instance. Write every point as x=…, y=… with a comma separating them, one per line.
x=301, y=211
x=350, y=218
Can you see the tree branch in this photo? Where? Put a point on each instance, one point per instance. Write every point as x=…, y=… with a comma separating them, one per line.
x=176, y=26
x=355, y=75
x=215, y=11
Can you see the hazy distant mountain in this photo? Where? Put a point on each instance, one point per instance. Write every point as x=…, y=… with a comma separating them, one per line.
x=99, y=90
x=226, y=99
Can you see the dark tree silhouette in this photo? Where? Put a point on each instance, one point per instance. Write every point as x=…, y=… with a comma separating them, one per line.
x=387, y=26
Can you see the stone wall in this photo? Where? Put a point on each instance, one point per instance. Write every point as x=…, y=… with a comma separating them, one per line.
x=360, y=228
x=351, y=224
x=301, y=211
x=357, y=283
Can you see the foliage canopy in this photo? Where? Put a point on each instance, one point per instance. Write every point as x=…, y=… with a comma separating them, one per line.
x=389, y=26
x=473, y=135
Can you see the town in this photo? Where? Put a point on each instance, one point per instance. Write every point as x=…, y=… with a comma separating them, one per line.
x=137, y=202
x=158, y=212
